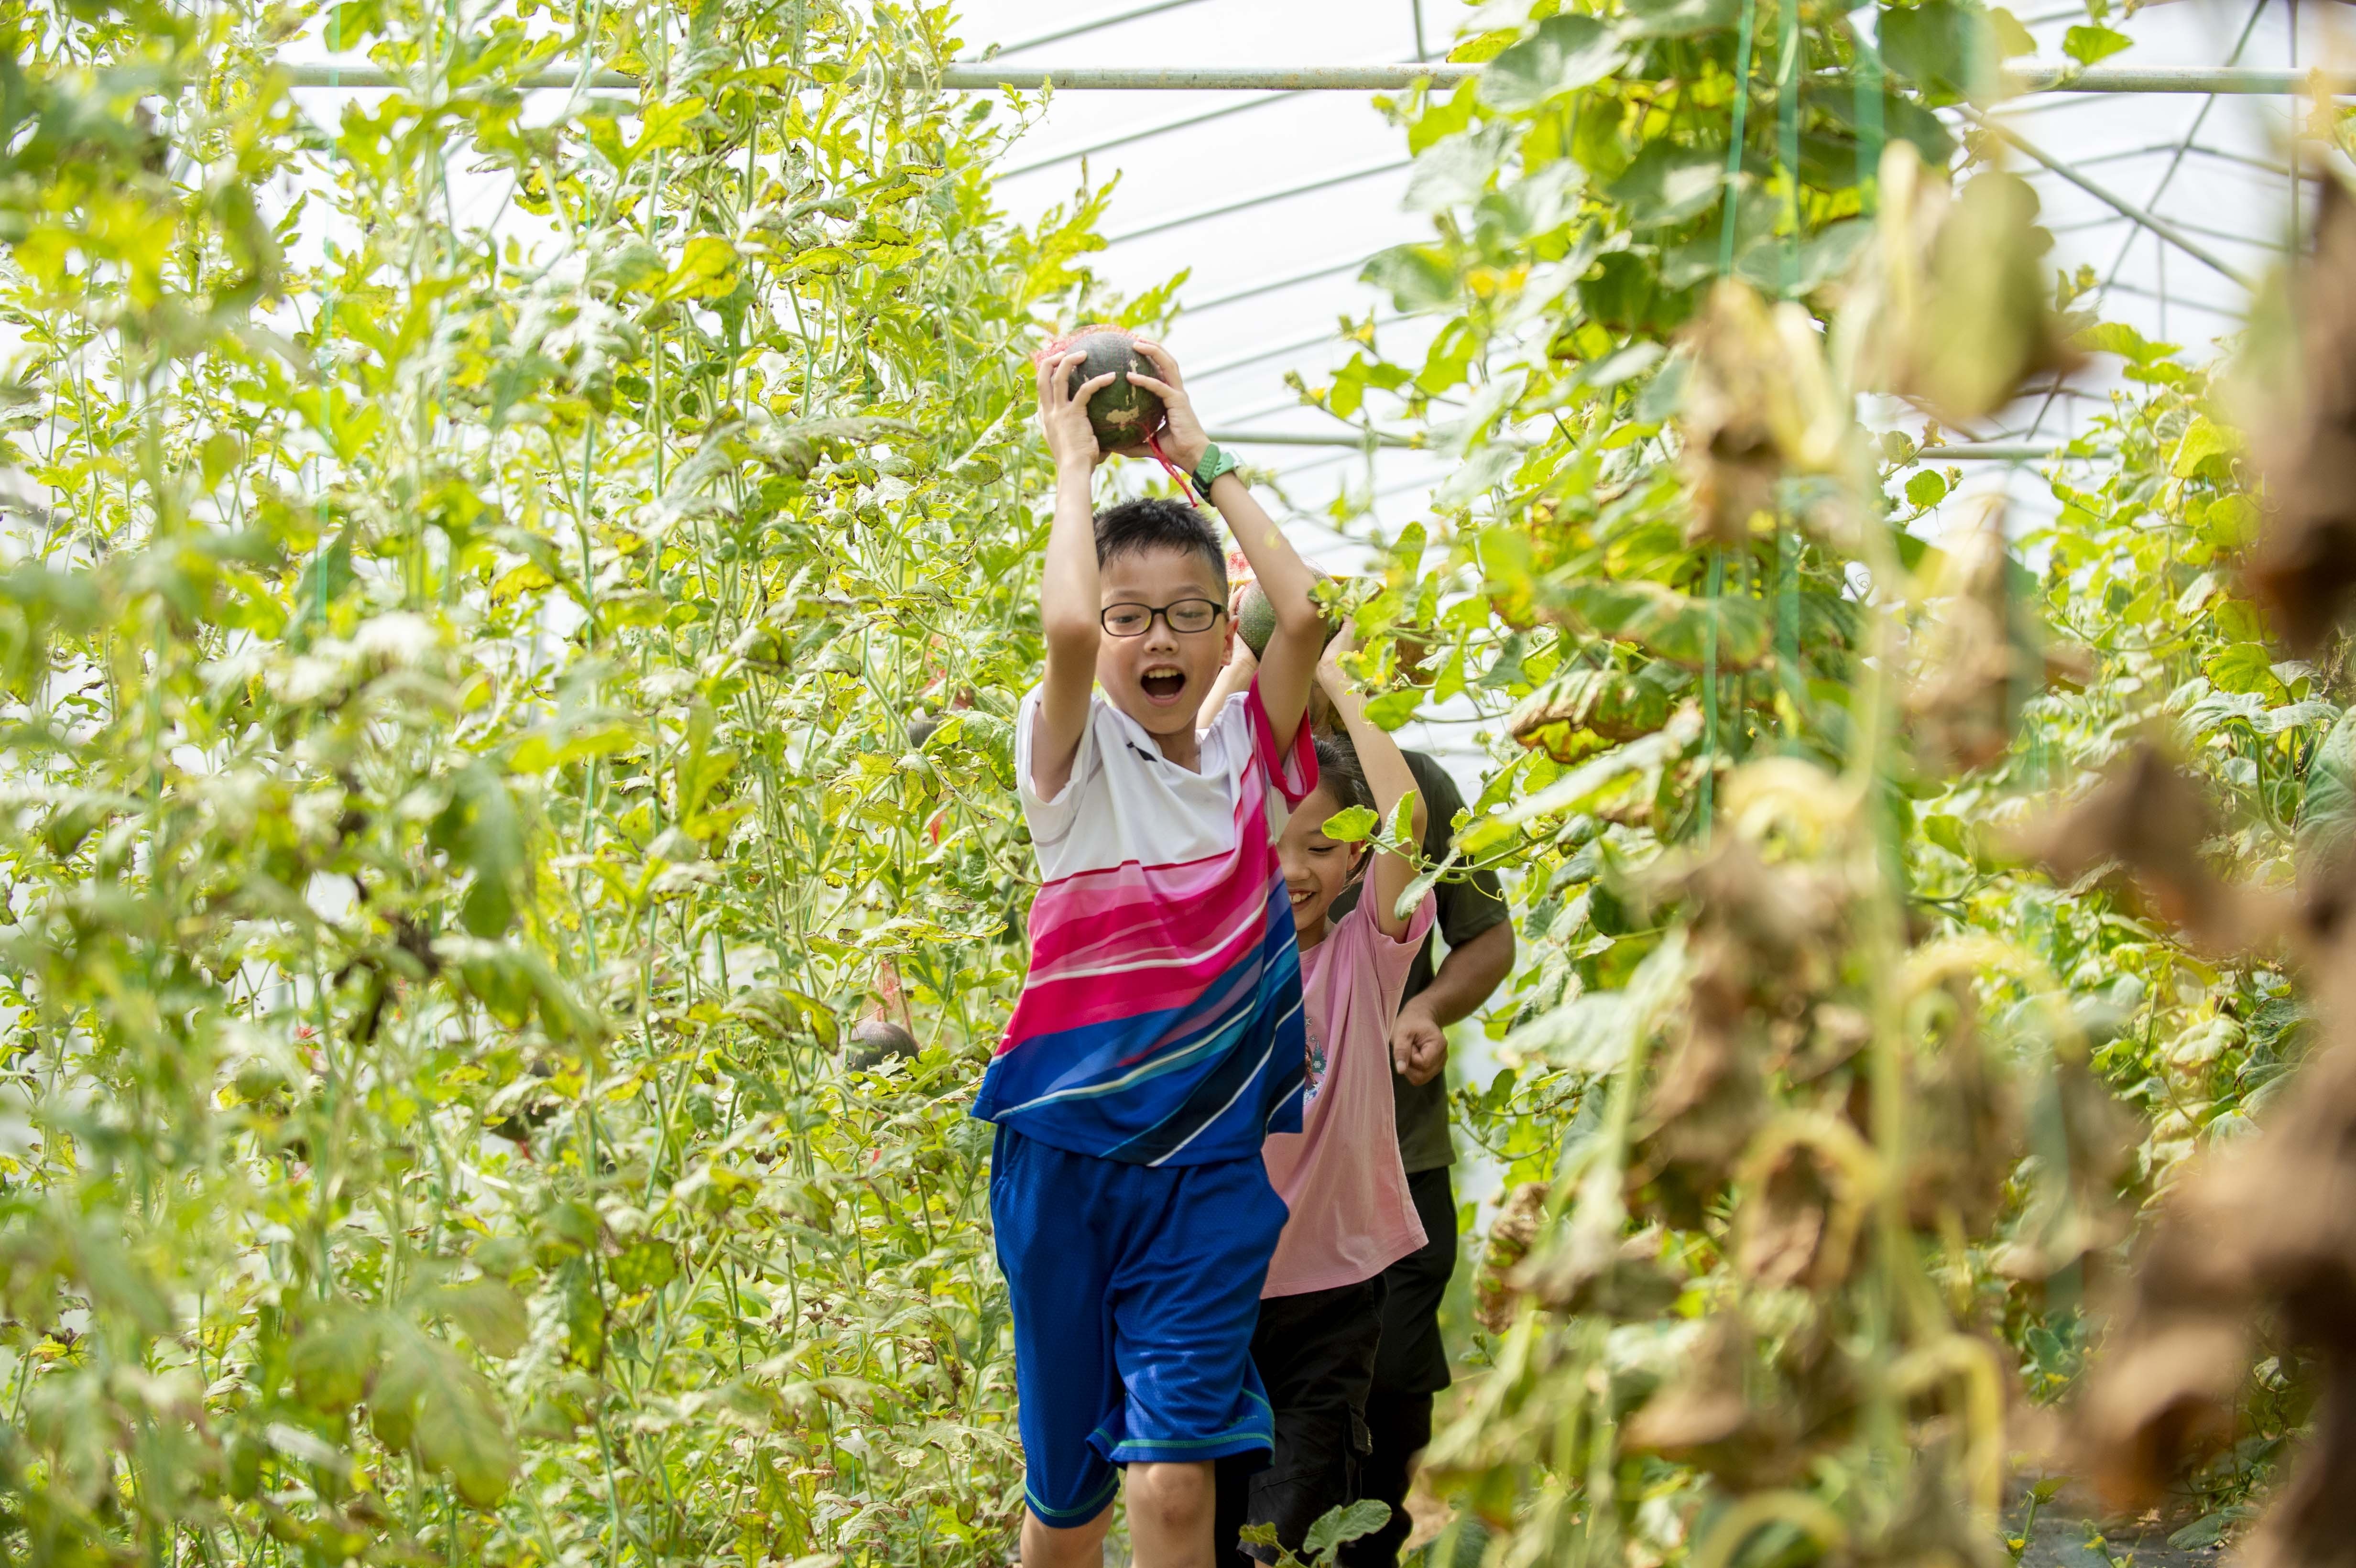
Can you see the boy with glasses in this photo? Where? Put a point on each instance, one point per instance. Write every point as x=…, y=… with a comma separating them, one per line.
x=1159, y=1037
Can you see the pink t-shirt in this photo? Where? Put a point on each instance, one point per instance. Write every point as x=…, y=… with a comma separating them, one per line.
x=1352, y=1216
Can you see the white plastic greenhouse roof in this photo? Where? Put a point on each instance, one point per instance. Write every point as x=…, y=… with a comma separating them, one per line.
x=1269, y=281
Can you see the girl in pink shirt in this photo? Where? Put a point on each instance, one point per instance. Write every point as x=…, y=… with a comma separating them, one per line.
x=1352, y=1214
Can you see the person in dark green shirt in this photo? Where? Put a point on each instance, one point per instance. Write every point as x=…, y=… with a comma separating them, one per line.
x=1411, y=1364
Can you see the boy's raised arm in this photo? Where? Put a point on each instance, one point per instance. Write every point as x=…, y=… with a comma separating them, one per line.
x=1070, y=602
x=1289, y=665
x=1388, y=778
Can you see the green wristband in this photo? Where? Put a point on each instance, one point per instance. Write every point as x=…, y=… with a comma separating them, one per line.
x=1214, y=463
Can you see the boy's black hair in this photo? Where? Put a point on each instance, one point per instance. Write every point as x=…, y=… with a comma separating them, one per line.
x=1156, y=522
x=1338, y=772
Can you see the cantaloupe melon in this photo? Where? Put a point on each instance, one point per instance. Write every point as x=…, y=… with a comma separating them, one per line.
x=1256, y=619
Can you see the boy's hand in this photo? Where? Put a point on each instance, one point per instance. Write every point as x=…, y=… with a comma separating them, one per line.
x=1063, y=411
x=1182, y=440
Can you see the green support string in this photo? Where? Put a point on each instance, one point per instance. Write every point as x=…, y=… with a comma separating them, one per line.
x=1716, y=584
x=1866, y=76
x=1708, y=802
x=1718, y=559
x=326, y=399
x=1787, y=138
x=1787, y=538
x=1734, y=142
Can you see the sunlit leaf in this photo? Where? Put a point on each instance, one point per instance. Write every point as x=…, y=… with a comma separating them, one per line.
x=2086, y=43
x=1566, y=52
x=1418, y=277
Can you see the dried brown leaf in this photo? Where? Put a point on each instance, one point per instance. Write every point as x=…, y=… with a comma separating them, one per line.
x=2150, y=818
x=1581, y=711
x=1758, y=401
x=1966, y=671
x=1705, y=1417
x=2159, y=1401
x=1781, y=1231
x=2261, y=1230
x=2304, y=568
x=1588, y=1276
x=1510, y=1237
x=1964, y=1134
x=1950, y=304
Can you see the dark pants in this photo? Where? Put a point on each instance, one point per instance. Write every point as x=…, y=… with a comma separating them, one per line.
x=1411, y=1367
x=1315, y=1353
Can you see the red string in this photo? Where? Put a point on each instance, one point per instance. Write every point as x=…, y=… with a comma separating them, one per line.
x=1153, y=445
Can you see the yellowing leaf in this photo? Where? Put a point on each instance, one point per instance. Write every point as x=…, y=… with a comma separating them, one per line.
x=2203, y=439
x=707, y=269
x=522, y=578
x=430, y=1401
x=491, y=1314
x=1683, y=630
x=664, y=125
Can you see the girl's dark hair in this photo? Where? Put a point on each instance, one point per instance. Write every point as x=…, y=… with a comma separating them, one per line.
x=1338, y=772
x=1156, y=522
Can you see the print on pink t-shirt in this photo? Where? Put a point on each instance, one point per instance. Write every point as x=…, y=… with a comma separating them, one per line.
x=1352, y=1216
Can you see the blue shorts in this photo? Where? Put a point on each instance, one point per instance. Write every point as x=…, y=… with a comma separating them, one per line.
x=1135, y=1288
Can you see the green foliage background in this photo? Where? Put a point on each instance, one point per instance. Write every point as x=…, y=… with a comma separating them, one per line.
x=495, y=694
x=1836, y=1114
x=485, y=717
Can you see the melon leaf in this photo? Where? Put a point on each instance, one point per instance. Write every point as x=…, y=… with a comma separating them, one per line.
x=1565, y=54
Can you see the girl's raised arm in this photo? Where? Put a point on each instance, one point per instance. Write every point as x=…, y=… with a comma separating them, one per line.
x=1388, y=778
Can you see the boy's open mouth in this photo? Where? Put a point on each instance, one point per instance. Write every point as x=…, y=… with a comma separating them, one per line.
x=1163, y=682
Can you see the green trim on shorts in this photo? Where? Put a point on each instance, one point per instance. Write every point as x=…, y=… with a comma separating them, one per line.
x=1072, y=1519
x=1239, y=1439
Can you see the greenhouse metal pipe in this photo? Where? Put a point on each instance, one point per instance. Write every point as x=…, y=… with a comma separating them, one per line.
x=1999, y=451
x=1963, y=450
x=2217, y=233
x=1397, y=78
x=986, y=76
x=2119, y=204
x=1222, y=208
x=2245, y=81
x=2178, y=301
x=965, y=75
x=1205, y=78
x=2265, y=165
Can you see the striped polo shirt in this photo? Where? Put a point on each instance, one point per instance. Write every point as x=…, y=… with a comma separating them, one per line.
x=1161, y=1021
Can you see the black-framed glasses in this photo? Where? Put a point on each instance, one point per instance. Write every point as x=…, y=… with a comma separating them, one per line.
x=1186, y=615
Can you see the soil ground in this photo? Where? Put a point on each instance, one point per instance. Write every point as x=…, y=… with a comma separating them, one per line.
x=2062, y=1539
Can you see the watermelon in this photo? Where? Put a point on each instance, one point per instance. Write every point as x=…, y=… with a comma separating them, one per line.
x=876, y=1041
x=1121, y=414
